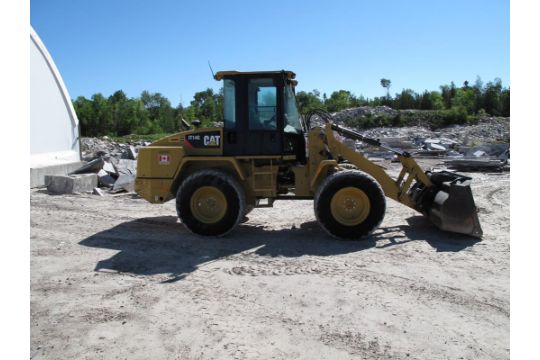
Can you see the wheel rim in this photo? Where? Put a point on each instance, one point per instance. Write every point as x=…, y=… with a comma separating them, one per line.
x=208, y=204
x=350, y=206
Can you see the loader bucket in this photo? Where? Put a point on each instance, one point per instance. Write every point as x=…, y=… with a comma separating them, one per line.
x=449, y=204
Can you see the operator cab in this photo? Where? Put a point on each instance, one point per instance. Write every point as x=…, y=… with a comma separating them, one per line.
x=260, y=114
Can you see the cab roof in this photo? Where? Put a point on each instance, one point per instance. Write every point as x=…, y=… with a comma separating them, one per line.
x=221, y=74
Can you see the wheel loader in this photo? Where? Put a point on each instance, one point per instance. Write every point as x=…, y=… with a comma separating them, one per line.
x=267, y=151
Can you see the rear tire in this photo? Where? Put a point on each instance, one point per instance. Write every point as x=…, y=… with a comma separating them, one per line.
x=349, y=204
x=210, y=203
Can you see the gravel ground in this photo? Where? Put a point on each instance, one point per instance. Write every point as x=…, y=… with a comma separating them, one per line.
x=118, y=278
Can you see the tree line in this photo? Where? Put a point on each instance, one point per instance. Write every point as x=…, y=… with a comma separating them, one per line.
x=490, y=99
x=153, y=113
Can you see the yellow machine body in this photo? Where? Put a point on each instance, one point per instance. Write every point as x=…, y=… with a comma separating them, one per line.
x=164, y=165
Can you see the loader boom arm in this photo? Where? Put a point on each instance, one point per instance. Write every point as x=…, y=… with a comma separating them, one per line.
x=354, y=135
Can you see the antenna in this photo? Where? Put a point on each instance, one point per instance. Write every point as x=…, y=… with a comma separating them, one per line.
x=212, y=71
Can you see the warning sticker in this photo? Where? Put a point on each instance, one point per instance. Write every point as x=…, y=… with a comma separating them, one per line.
x=164, y=159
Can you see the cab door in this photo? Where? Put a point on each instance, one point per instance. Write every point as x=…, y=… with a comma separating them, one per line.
x=264, y=117
x=233, y=119
x=252, y=116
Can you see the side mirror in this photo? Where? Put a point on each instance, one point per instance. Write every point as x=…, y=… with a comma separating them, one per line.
x=196, y=123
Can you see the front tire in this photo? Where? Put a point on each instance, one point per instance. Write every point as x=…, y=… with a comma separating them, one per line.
x=349, y=204
x=210, y=203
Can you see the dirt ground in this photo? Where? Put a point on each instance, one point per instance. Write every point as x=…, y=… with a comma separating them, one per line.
x=119, y=278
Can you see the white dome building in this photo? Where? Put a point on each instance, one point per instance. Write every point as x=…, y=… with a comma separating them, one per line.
x=54, y=127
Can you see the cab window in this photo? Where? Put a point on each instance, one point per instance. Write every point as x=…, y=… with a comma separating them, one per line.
x=262, y=95
x=292, y=117
x=229, y=105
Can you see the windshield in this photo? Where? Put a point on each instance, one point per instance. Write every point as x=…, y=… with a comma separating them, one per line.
x=292, y=117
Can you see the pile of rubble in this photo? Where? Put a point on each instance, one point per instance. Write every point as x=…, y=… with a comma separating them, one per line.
x=110, y=168
x=363, y=111
x=109, y=150
x=486, y=131
x=481, y=147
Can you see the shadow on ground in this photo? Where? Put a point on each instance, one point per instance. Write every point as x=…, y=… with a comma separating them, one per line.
x=161, y=245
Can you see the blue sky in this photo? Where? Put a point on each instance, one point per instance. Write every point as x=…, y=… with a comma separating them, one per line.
x=163, y=46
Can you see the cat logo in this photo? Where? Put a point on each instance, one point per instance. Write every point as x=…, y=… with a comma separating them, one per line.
x=211, y=140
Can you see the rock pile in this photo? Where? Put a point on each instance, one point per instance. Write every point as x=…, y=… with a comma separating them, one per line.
x=363, y=111
x=113, y=164
x=486, y=131
x=482, y=146
x=109, y=150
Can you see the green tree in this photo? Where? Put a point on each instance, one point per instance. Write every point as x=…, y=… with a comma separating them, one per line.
x=465, y=99
x=339, y=100
x=492, y=97
x=206, y=107
x=407, y=99
x=505, y=102
x=478, y=89
x=447, y=98
x=102, y=116
x=85, y=113
x=308, y=101
x=437, y=100
x=152, y=113
x=426, y=101
x=122, y=117
x=160, y=112
x=386, y=83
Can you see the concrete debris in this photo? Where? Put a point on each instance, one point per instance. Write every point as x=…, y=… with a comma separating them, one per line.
x=109, y=167
x=430, y=153
x=92, y=167
x=455, y=143
x=486, y=131
x=99, y=192
x=399, y=142
x=124, y=182
x=500, y=151
x=126, y=167
x=105, y=179
x=131, y=152
x=479, y=153
x=71, y=184
x=435, y=146
x=453, y=154
x=110, y=150
x=476, y=164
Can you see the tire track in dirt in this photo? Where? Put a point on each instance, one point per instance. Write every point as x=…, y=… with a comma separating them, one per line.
x=400, y=285
x=223, y=324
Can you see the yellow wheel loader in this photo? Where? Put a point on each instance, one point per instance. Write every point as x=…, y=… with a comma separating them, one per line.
x=266, y=151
